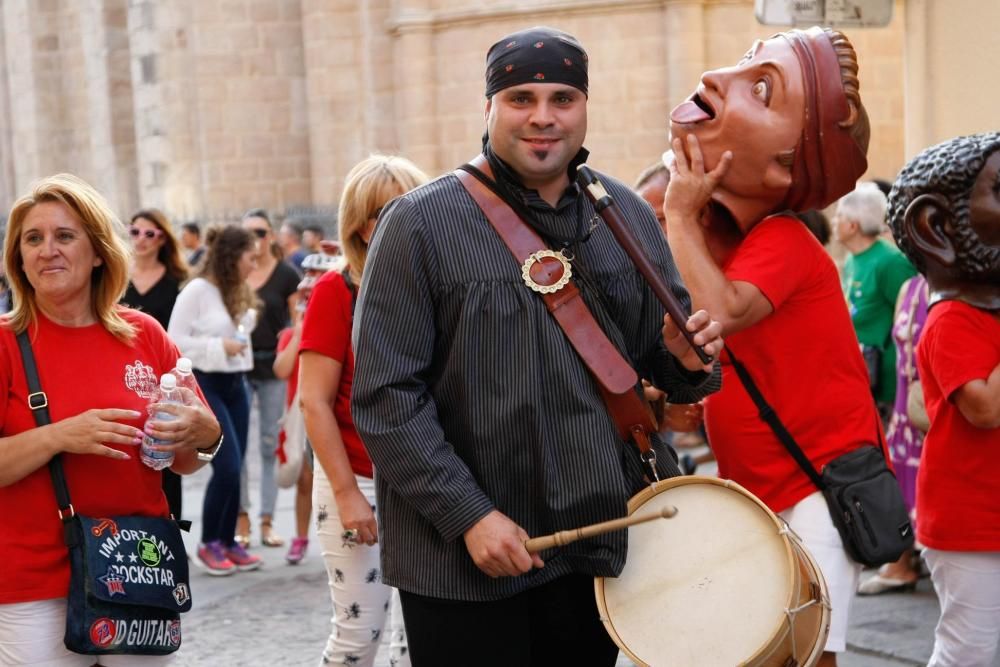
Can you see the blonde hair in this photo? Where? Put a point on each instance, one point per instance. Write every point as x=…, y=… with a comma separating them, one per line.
x=106, y=233
x=371, y=184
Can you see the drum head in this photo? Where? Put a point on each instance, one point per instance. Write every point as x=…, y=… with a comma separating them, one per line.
x=707, y=587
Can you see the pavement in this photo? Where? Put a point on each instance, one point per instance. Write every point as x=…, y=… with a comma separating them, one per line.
x=280, y=614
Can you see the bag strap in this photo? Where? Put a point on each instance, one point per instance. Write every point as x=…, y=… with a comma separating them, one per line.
x=38, y=401
x=771, y=418
x=615, y=377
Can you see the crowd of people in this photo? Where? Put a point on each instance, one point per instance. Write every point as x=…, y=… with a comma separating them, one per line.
x=437, y=405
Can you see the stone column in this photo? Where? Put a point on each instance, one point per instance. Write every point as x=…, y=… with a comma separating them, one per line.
x=31, y=40
x=110, y=145
x=8, y=188
x=415, y=83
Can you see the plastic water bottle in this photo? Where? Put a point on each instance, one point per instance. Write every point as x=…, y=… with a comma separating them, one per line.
x=183, y=371
x=155, y=459
x=246, y=324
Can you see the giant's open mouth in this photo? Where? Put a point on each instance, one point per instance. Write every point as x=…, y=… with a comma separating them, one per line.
x=695, y=109
x=703, y=104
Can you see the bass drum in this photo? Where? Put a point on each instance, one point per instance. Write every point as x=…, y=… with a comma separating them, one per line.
x=724, y=582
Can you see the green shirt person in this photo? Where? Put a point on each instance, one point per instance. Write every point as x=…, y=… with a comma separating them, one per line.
x=873, y=274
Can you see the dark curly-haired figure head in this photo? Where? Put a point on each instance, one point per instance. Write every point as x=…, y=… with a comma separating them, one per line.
x=944, y=211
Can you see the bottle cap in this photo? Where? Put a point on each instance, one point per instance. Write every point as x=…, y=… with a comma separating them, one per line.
x=184, y=365
x=168, y=382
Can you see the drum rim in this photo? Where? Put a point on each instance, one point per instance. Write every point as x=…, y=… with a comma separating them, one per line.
x=781, y=529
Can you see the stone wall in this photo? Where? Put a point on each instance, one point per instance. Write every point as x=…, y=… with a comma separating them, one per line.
x=208, y=107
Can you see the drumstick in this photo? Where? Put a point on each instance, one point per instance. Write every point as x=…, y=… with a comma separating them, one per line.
x=564, y=537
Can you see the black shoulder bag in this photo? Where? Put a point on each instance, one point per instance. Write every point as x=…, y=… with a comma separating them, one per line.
x=863, y=496
x=128, y=574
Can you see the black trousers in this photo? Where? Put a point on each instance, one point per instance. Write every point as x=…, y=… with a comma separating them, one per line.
x=554, y=624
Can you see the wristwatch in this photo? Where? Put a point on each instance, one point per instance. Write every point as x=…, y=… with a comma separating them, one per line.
x=209, y=453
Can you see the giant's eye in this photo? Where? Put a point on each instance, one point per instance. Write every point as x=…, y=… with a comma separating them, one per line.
x=762, y=90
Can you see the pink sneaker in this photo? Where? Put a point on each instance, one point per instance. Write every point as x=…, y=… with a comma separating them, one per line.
x=213, y=557
x=242, y=559
x=297, y=551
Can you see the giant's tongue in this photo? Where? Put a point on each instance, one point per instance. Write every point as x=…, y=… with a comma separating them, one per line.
x=688, y=112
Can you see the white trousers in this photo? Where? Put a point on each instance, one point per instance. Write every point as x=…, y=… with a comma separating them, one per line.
x=968, y=588
x=810, y=519
x=31, y=633
x=361, y=602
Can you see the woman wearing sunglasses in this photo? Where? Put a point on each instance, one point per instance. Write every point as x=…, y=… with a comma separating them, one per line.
x=275, y=283
x=155, y=278
x=157, y=267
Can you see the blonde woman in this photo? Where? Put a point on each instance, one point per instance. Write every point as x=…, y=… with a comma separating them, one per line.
x=98, y=363
x=343, y=490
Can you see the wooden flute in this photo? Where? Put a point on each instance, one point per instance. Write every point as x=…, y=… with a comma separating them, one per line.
x=605, y=206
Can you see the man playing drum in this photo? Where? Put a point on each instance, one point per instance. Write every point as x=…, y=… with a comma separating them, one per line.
x=782, y=130
x=483, y=423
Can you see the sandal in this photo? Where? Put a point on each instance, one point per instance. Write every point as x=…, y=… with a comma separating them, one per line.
x=242, y=536
x=267, y=536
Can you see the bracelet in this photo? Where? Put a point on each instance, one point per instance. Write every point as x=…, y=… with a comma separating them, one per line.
x=212, y=447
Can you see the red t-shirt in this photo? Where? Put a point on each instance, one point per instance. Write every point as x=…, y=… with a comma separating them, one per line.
x=79, y=369
x=803, y=357
x=327, y=330
x=958, y=483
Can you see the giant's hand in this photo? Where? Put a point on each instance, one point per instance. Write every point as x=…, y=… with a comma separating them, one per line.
x=87, y=433
x=707, y=334
x=690, y=187
x=496, y=545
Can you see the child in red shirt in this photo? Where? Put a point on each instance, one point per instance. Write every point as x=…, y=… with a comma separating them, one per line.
x=945, y=214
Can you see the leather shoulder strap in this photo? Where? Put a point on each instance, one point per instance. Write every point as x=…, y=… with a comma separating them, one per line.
x=615, y=377
x=38, y=401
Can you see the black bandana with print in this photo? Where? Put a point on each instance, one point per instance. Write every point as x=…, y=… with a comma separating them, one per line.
x=536, y=55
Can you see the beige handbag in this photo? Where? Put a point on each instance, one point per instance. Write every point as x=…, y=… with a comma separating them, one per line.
x=916, y=408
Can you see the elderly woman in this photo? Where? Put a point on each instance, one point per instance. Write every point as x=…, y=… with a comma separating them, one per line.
x=68, y=267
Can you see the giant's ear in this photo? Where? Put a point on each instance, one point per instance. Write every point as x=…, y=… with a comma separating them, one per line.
x=489, y=105
x=928, y=225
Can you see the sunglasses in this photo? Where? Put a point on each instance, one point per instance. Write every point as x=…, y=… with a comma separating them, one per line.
x=148, y=233
x=260, y=232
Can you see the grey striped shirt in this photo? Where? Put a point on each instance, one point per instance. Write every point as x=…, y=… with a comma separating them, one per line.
x=469, y=397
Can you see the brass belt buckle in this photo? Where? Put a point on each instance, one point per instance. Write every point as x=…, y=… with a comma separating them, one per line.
x=546, y=271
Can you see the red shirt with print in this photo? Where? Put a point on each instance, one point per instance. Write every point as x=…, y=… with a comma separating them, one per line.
x=327, y=331
x=803, y=357
x=80, y=369
x=958, y=482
